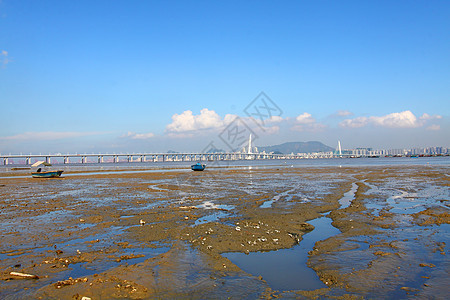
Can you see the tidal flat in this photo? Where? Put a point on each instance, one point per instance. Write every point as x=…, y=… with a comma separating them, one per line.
x=242, y=233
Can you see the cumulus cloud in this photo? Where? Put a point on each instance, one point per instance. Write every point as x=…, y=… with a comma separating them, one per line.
x=305, y=118
x=47, y=135
x=355, y=123
x=426, y=116
x=187, y=124
x=187, y=121
x=272, y=130
x=404, y=119
x=306, y=122
x=138, y=136
x=274, y=119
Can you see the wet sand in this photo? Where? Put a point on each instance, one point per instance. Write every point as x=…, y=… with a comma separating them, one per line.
x=146, y=235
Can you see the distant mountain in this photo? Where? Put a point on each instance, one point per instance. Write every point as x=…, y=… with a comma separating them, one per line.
x=297, y=147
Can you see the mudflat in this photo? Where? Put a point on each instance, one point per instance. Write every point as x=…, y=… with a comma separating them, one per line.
x=146, y=235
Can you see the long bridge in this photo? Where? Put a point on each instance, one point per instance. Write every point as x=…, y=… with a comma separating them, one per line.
x=29, y=159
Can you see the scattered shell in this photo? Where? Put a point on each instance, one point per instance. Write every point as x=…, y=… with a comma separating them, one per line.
x=238, y=228
x=142, y=222
x=187, y=207
x=24, y=275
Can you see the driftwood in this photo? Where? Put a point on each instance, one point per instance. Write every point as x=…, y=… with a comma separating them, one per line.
x=24, y=275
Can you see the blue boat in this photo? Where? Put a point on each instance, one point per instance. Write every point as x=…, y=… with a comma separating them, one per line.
x=49, y=174
x=44, y=174
x=198, y=167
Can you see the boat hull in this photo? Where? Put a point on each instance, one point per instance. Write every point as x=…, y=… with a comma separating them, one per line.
x=50, y=174
x=198, y=167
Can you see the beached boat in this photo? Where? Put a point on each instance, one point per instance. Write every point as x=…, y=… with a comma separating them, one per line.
x=198, y=167
x=44, y=174
x=49, y=174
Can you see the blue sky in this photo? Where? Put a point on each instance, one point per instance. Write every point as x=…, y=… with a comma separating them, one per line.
x=130, y=76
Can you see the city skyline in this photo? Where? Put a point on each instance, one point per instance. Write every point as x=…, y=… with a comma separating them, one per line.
x=153, y=76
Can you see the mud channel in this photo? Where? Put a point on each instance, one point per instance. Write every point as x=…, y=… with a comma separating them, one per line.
x=280, y=232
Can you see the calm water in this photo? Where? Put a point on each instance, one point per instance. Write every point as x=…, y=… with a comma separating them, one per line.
x=257, y=164
x=286, y=269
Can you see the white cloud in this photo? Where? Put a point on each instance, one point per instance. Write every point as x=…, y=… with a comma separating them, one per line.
x=434, y=127
x=342, y=113
x=404, y=119
x=272, y=130
x=47, y=135
x=305, y=118
x=355, y=123
x=305, y=122
x=274, y=119
x=426, y=116
x=208, y=121
x=187, y=121
x=138, y=136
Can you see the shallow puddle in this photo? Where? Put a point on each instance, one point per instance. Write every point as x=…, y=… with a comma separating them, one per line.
x=212, y=205
x=286, y=269
x=399, y=201
x=348, y=197
x=268, y=203
x=97, y=266
x=215, y=216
